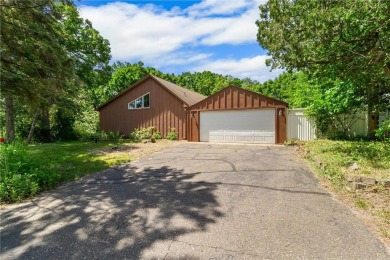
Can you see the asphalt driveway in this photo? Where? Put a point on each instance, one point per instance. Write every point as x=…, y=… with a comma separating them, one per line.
x=193, y=201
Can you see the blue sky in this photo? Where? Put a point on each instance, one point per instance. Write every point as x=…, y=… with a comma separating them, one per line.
x=185, y=35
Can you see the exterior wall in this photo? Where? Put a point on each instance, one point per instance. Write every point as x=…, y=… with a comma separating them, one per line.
x=236, y=98
x=165, y=112
x=231, y=98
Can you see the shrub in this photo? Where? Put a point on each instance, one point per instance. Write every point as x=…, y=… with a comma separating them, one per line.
x=142, y=133
x=292, y=142
x=20, y=176
x=106, y=136
x=102, y=136
x=157, y=135
x=172, y=134
x=383, y=131
x=115, y=135
x=86, y=124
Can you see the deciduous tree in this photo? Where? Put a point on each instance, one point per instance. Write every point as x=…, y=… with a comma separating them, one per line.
x=347, y=40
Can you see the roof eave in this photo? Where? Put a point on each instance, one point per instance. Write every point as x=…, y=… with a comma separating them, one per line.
x=124, y=91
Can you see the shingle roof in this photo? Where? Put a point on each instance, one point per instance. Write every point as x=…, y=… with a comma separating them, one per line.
x=188, y=96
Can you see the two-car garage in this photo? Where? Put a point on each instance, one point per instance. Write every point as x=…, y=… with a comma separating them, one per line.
x=238, y=126
x=235, y=115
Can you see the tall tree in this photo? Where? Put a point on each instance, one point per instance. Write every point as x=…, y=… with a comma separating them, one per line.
x=47, y=52
x=348, y=39
x=33, y=60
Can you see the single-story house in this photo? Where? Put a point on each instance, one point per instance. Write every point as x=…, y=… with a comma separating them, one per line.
x=230, y=115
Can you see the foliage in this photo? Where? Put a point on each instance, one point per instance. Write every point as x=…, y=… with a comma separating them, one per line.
x=301, y=33
x=21, y=176
x=343, y=40
x=361, y=204
x=292, y=142
x=86, y=124
x=373, y=158
x=172, y=135
x=27, y=170
x=295, y=88
x=334, y=106
x=125, y=74
x=32, y=49
x=142, y=133
x=90, y=52
x=206, y=82
x=110, y=136
x=47, y=45
x=383, y=131
x=157, y=135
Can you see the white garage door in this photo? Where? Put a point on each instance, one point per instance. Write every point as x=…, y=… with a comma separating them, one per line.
x=238, y=126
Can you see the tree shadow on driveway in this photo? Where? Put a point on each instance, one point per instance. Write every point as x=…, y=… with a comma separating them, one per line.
x=114, y=214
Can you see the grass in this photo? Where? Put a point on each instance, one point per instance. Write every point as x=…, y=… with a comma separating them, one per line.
x=372, y=158
x=28, y=170
x=361, y=204
x=332, y=160
x=77, y=159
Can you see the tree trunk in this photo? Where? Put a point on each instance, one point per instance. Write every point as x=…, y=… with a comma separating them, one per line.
x=9, y=118
x=31, y=133
x=46, y=129
x=372, y=109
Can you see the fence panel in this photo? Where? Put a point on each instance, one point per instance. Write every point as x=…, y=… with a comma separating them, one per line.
x=302, y=128
x=299, y=126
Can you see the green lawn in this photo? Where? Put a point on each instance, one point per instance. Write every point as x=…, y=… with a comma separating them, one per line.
x=76, y=159
x=27, y=170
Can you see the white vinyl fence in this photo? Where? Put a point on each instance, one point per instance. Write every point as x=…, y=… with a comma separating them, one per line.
x=299, y=126
x=302, y=128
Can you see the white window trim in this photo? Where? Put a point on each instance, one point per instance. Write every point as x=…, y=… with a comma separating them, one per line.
x=135, y=106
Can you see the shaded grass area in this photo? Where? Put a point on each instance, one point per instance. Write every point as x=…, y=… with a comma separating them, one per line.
x=76, y=159
x=332, y=160
x=28, y=170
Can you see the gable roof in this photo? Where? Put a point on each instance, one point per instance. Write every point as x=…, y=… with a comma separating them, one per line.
x=210, y=98
x=187, y=96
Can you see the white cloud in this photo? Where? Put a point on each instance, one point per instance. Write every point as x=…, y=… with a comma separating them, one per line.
x=169, y=38
x=237, y=30
x=180, y=58
x=147, y=31
x=218, y=7
x=253, y=68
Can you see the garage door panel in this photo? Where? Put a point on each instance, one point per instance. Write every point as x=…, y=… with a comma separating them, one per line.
x=238, y=126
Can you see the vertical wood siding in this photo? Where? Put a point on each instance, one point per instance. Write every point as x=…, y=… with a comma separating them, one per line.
x=166, y=111
x=236, y=98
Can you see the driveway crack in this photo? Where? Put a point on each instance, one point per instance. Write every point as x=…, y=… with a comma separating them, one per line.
x=169, y=249
x=216, y=247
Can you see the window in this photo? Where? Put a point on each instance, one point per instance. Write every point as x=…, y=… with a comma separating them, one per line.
x=141, y=102
x=138, y=103
x=146, y=100
x=132, y=105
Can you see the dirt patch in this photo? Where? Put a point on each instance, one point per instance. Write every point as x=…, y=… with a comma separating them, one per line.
x=137, y=150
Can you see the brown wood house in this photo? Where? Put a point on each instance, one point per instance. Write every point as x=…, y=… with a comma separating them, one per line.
x=150, y=101
x=236, y=115
x=232, y=115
